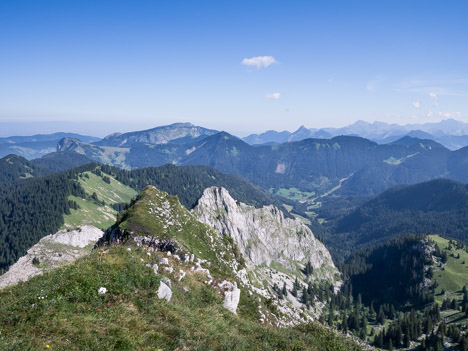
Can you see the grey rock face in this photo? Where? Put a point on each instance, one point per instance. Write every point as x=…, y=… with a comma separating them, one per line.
x=276, y=250
x=52, y=251
x=263, y=235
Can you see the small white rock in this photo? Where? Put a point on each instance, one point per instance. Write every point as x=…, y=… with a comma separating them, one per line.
x=231, y=299
x=164, y=292
x=164, y=261
x=169, y=269
x=182, y=274
x=102, y=290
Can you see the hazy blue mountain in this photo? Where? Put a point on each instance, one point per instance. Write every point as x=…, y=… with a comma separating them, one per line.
x=35, y=146
x=450, y=133
x=180, y=133
x=47, y=137
x=270, y=136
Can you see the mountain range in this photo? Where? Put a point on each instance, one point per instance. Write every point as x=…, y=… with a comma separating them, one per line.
x=450, y=133
x=344, y=164
x=37, y=145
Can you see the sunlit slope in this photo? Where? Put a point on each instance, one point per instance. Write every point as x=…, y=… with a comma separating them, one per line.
x=97, y=209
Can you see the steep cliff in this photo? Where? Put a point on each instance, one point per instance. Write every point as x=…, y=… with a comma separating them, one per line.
x=280, y=251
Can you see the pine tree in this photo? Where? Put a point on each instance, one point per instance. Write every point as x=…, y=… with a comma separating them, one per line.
x=304, y=295
x=330, y=318
x=381, y=316
x=344, y=324
x=372, y=310
x=309, y=269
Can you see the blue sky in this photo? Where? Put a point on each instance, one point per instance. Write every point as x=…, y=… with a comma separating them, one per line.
x=107, y=66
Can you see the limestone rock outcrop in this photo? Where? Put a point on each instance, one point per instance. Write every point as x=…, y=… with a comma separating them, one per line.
x=52, y=251
x=264, y=235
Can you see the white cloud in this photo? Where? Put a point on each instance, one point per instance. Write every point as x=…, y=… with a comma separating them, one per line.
x=434, y=97
x=416, y=104
x=450, y=114
x=259, y=61
x=273, y=96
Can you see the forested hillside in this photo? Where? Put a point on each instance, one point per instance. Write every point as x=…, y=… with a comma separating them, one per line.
x=61, y=161
x=437, y=206
x=189, y=182
x=33, y=208
x=13, y=168
x=407, y=293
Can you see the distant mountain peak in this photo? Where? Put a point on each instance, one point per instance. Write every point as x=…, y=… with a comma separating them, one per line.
x=113, y=135
x=174, y=133
x=302, y=128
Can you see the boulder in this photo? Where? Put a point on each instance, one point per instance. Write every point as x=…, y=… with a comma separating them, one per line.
x=164, y=292
x=231, y=296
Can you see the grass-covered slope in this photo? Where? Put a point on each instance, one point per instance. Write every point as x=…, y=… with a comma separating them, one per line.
x=159, y=215
x=97, y=209
x=451, y=276
x=64, y=310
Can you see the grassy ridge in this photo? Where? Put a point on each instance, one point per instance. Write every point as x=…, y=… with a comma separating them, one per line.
x=63, y=309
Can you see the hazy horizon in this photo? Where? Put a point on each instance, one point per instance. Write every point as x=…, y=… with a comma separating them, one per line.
x=103, y=129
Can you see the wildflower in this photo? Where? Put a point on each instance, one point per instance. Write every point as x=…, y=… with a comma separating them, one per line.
x=102, y=290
